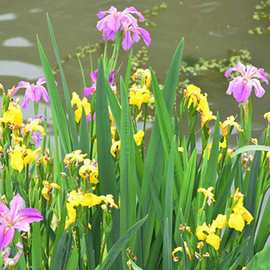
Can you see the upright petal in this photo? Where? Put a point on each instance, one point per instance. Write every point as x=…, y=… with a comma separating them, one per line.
x=146, y=36
x=133, y=10
x=3, y=208
x=16, y=205
x=41, y=81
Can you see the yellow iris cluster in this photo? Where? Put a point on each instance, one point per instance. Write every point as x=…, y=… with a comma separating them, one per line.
x=80, y=105
x=80, y=199
x=194, y=98
x=20, y=157
x=115, y=148
x=239, y=216
x=139, y=93
x=228, y=124
x=13, y=116
x=89, y=168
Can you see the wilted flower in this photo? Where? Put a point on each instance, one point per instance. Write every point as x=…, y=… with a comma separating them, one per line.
x=9, y=262
x=74, y=158
x=115, y=148
x=113, y=21
x=208, y=194
x=33, y=92
x=249, y=78
x=17, y=217
x=89, y=91
x=228, y=124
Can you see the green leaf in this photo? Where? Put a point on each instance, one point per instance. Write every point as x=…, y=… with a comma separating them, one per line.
x=67, y=97
x=128, y=176
x=57, y=110
x=261, y=260
x=250, y=148
x=36, y=247
x=168, y=211
x=62, y=253
x=120, y=245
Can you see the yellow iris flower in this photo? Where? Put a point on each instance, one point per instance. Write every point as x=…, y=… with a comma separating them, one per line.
x=80, y=106
x=13, y=116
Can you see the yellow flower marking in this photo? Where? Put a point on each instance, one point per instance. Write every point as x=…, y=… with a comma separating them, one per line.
x=47, y=188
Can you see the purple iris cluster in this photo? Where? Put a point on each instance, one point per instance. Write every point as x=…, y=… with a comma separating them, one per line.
x=247, y=79
x=113, y=21
x=89, y=91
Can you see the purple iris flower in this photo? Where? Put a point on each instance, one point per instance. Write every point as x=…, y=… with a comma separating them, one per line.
x=133, y=35
x=249, y=78
x=17, y=217
x=113, y=21
x=37, y=138
x=89, y=91
x=33, y=92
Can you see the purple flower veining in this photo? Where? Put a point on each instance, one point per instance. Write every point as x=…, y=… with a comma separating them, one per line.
x=89, y=91
x=33, y=92
x=113, y=21
x=17, y=217
x=249, y=78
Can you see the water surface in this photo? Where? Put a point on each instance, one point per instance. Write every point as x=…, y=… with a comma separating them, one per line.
x=210, y=28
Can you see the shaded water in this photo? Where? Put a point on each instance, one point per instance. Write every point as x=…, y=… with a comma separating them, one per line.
x=210, y=28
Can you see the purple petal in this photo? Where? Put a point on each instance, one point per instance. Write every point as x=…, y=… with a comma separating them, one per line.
x=112, y=78
x=25, y=102
x=133, y=10
x=6, y=236
x=3, y=208
x=25, y=217
x=16, y=205
x=259, y=91
x=89, y=91
x=127, y=41
x=44, y=94
x=20, y=85
x=101, y=14
x=262, y=75
x=41, y=81
x=37, y=138
x=146, y=36
x=89, y=117
x=93, y=75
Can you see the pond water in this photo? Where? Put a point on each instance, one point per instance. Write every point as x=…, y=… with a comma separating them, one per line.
x=210, y=28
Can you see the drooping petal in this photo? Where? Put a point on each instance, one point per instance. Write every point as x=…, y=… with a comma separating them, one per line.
x=262, y=75
x=127, y=41
x=259, y=91
x=20, y=85
x=6, y=236
x=16, y=205
x=25, y=102
x=145, y=36
x=242, y=91
x=44, y=94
